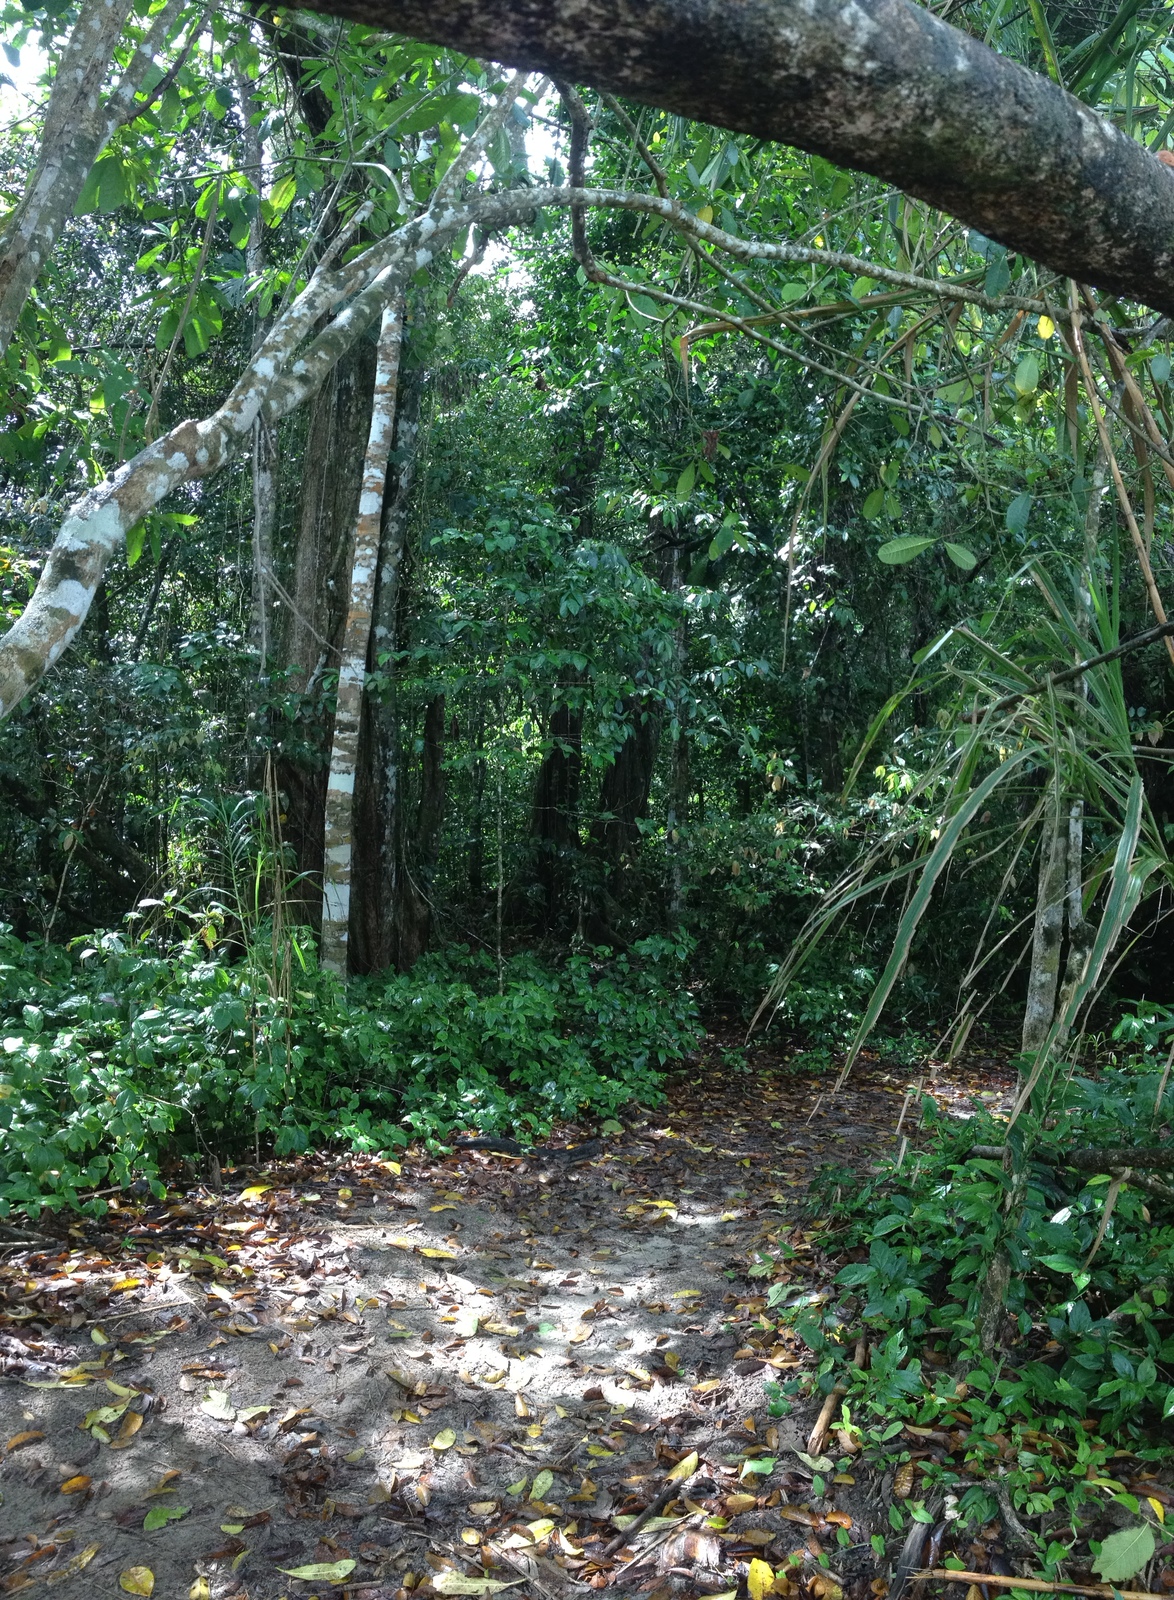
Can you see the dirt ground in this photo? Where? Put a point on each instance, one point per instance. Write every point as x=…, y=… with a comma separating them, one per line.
x=468, y=1368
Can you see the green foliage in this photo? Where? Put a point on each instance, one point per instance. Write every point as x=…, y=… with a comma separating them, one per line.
x=117, y=1058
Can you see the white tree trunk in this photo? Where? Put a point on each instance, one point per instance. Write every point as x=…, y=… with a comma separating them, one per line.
x=340, y=787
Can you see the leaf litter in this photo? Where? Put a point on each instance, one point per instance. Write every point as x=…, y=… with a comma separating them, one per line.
x=454, y=1375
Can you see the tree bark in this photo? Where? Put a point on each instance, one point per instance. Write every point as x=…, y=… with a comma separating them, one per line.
x=881, y=86
x=340, y=786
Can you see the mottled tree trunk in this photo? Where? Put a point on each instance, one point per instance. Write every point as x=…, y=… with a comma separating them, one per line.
x=356, y=642
x=332, y=468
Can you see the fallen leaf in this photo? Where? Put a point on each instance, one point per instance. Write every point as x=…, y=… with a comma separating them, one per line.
x=137, y=1580
x=439, y=1255
x=121, y=1287
x=160, y=1516
x=458, y=1583
x=542, y=1485
x=760, y=1579
x=444, y=1440
x=131, y=1423
x=255, y=1191
x=217, y=1403
x=322, y=1571
x=19, y=1440
x=684, y=1469
x=74, y=1565
x=77, y=1485
x=201, y=1589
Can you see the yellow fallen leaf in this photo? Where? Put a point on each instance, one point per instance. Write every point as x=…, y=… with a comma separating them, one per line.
x=255, y=1191
x=439, y=1255
x=672, y=1360
x=470, y=1536
x=760, y=1579
x=98, y=1337
x=683, y=1469
x=74, y=1565
x=201, y=1589
x=345, y=1194
x=1045, y=327
x=445, y=1207
x=77, y=1485
x=121, y=1287
x=737, y=1503
x=1159, y=1508
x=131, y=1423
x=19, y=1440
x=684, y=1294
x=444, y=1440
x=708, y=1386
x=137, y=1580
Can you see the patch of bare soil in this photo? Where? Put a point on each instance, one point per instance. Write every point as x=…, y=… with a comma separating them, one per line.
x=412, y=1380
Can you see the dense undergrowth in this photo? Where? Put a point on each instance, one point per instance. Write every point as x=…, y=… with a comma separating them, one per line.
x=120, y=1058
x=1072, y=1404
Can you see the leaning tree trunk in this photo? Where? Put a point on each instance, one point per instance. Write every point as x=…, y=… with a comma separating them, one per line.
x=340, y=787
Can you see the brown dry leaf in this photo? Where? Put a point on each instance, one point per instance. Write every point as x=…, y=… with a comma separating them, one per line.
x=137, y=1580
x=903, y=1481
x=800, y=1514
x=583, y=1331
x=759, y=1536
x=19, y=1440
x=132, y=1421
x=76, y=1485
x=839, y=1519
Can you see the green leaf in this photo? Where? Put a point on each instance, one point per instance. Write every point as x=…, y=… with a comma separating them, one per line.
x=160, y=1516
x=322, y=1571
x=897, y=551
x=134, y=542
x=1027, y=375
x=1160, y=369
x=686, y=481
x=542, y=1485
x=108, y=187
x=1124, y=1554
x=792, y=291
x=1018, y=512
x=961, y=556
x=874, y=505
x=1168, y=1408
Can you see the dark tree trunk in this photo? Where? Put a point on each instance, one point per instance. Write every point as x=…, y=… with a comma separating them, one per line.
x=554, y=820
x=882, y=86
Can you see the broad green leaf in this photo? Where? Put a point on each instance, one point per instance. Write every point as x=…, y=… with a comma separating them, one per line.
x=1160, y=369
x=1027, y=375
x=542, y=1485
x=137, y=1580
x=1018, y=512
x=897, y=551
x=874, y=505
x=135, y=538
x=791, y=292
x=961, y=556
x=159, y=1516
x=1124, y=1554
x=686, y=481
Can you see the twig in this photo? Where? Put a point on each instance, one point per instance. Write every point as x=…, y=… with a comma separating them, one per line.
x=818, y=1435
x=668, y=1492
x=643, y=1555
x=1040, y=1585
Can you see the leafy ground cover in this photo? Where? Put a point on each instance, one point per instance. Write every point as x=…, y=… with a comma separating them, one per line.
x=445, y=1372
